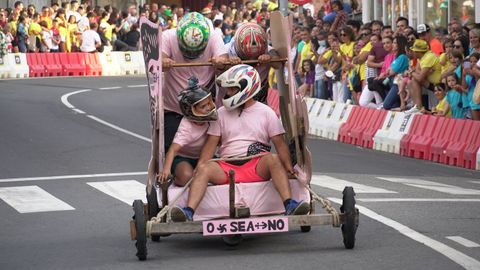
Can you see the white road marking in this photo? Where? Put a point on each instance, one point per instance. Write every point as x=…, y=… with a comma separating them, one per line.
x=110, y=88
x=464, y=242
x=475, y=182
x=70, y=106
x=463, y=260
x=417, y=200
x=119, y=128
x=78, y=176
x=31, y=199
x=137, y=86
x=126, y=191
x=78, y=111
x=339, y=184
x=432, y=186
x=65, y=97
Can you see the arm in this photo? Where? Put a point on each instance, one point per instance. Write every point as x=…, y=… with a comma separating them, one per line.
x=283, y=152
x=208, y=149
x=447, y=72
x=167, y=62
x=372, y=64
x=422, y=75
x=167, y=164
x=322, y=60
x=336, y=64
x=361, y=58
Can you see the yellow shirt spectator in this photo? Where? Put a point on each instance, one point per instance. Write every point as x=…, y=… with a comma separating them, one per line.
x=441, y=107
x=48, y=20
x=35, y=30
x=347, y=49
x=362, y=69
x=444, y=58
x=430, y=60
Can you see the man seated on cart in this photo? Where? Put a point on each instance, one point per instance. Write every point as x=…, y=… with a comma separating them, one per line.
x=244, y=127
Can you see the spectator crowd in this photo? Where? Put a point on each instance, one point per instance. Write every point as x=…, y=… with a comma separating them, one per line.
x=400, y=67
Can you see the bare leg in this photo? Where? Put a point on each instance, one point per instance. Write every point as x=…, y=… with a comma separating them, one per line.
x=183, y=173
x=416, y=92
x=207, y=172
x=270, y=166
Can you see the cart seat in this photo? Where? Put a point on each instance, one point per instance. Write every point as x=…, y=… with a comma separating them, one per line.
x=261, y=197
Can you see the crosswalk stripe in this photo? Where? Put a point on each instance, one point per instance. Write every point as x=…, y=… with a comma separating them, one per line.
x=475, y=182
x=432, y=186
x=31, y=199
x=463, y=241
x=125, y=190
x=339, y=184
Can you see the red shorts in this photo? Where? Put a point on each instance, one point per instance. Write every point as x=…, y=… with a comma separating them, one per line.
x=246, y=173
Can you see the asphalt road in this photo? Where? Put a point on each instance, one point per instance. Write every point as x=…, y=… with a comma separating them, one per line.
x=67, y=138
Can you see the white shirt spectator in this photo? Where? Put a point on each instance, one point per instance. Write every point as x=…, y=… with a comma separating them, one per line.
x=83, y=24
x=219, y=16
x=77, y=15
x=132, y=19
x=89, y=39
x=47, y=40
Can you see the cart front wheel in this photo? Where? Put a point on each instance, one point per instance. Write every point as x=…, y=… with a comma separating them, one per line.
x=232, y=240
x=153, y=208
x=141, y=230
x=349, y=227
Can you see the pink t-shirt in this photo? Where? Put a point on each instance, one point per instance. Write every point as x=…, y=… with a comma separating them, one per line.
x=387, y=62
x=191, y=137
x=176, y=78
x=257, y=123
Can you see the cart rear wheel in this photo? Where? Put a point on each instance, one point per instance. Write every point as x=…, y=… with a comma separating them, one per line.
x=349, y=228
x=141, y=230
x=153, y=208
x=232, y=240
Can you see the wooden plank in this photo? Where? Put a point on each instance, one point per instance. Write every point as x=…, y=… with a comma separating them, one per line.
x=197, y=227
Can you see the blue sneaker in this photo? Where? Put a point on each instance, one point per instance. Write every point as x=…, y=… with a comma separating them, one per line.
x=297, y=208
x=181, y=214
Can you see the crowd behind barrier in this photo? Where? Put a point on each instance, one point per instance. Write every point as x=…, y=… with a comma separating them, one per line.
x=450, y=141
x=402, y=109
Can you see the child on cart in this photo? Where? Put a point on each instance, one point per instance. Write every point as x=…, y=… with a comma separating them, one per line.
x=244, y=127
x=198, y=108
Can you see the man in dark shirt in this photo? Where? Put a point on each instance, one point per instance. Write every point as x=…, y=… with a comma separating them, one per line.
x=132, y=37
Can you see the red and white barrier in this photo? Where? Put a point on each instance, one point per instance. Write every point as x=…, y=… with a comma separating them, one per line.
x=361, y=126
x=110, y=64
x=331, y=116
x=395, y=126
x=18, y=67
x=4, y=67
x=478, y=160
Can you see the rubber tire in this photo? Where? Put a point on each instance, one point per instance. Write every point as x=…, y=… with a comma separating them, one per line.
x=141, y=228
x=305, y=229
x=153, y=209
x=349, y=228
x=232, y=240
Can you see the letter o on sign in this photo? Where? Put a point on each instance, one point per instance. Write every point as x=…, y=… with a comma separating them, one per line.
x=301, y=2
x=210, y=227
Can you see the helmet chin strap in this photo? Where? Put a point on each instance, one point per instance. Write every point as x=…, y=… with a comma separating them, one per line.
x=241, y=107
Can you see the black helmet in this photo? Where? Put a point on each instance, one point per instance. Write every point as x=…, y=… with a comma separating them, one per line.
x=190, y=97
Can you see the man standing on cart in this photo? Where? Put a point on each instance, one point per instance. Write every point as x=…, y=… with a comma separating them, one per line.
x=244, y=127
x=251, y=43
x=192, y=41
